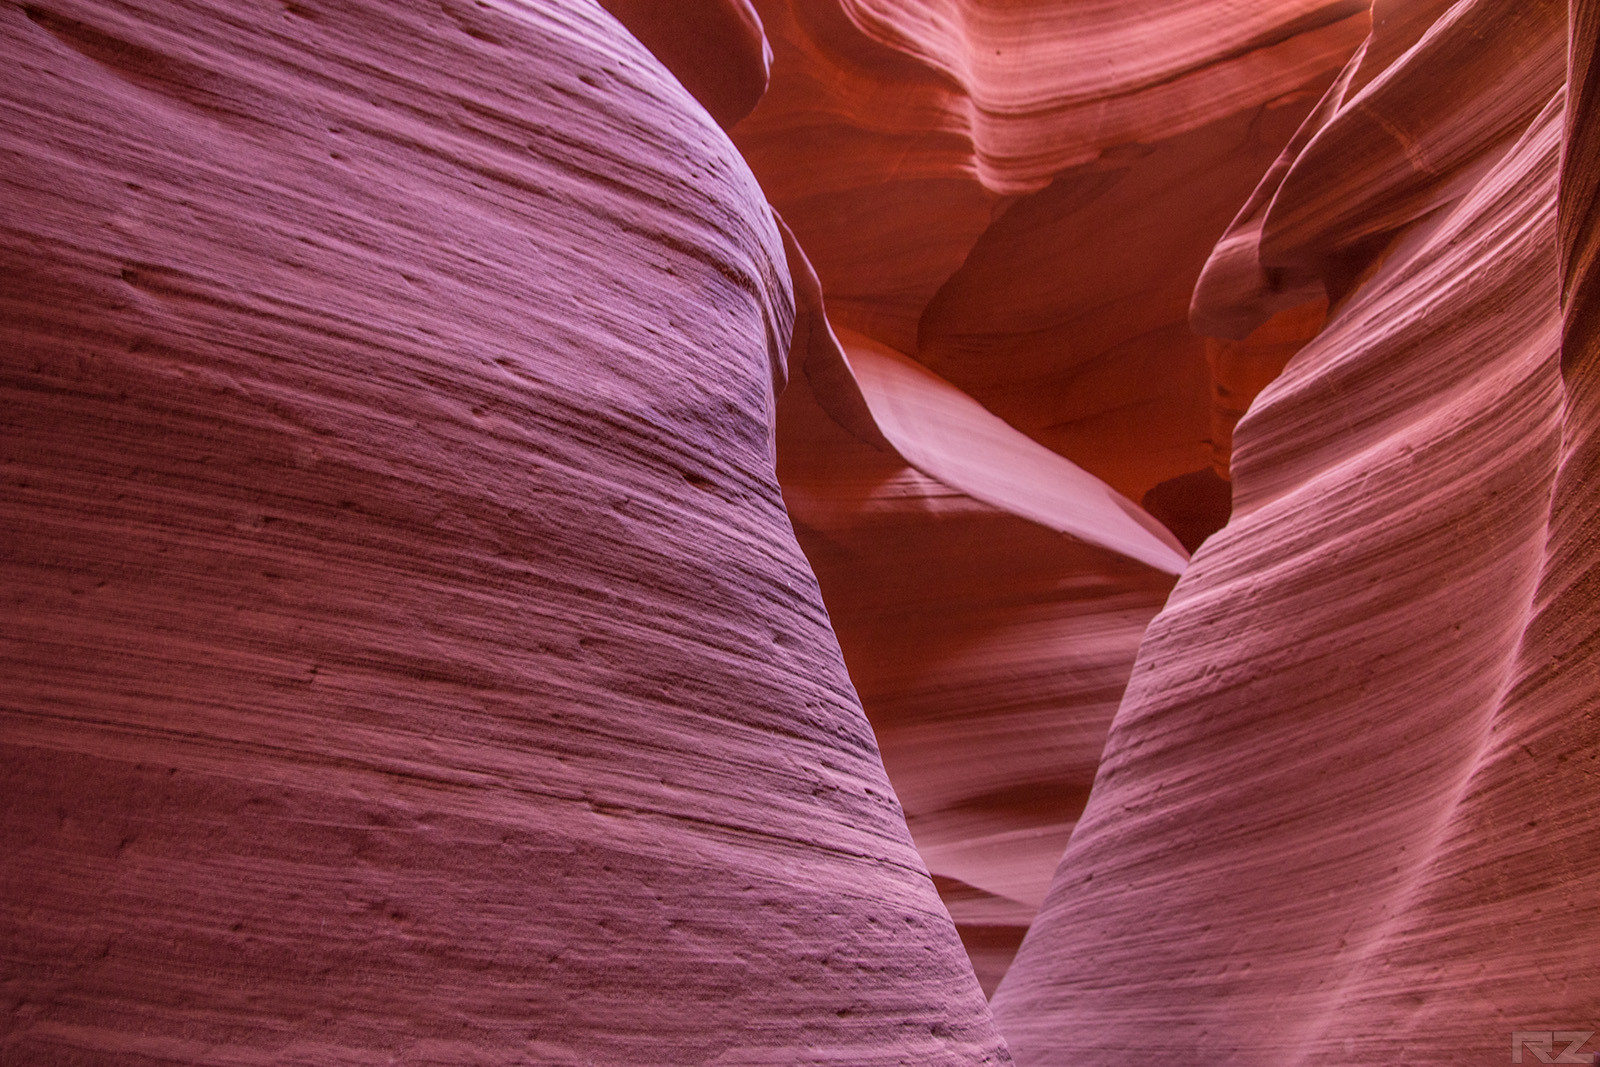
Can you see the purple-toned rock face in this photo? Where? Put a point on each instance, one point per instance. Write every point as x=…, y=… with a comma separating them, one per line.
x=407, y=657
x=1346, y=811
x=482, y=481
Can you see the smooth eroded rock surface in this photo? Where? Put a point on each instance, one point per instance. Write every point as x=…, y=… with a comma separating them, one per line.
x=407, y=656
x=1338, y=819
x=715, y=48
x=413, y=414
x=989, y=596
x=1019, y=198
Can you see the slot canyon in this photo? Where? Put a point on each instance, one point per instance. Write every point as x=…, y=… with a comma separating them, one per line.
x=799, y=532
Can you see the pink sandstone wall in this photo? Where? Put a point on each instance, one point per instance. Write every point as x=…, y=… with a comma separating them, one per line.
x=1346, y=810
x=407, y=656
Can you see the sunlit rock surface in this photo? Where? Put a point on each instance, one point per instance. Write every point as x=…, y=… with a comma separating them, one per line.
x=406, y=654
x=1019, y=198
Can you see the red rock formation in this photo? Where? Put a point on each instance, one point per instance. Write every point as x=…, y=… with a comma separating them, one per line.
x=1069, y=317
x=406, y=653
x=1241, y=368
x=1501, y=921
x=715, y=48
x=989, y=597
x=1345, y=810
x=1019, y=197
x=897, y=136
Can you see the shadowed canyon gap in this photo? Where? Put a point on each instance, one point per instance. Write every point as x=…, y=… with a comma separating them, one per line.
x=572, y=532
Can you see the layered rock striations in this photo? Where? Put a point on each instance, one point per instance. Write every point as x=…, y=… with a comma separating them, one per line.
x=1021, y=196
x=1018, y=198
x=989, y=597
x=1341, y=816
x=408, y=651
x=407, y=656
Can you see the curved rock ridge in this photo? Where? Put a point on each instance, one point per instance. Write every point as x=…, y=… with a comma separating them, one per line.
x=1069, y=317
x=950, y=437
x=1344, y=814
x=1053, y=84
x=1401, y=134
x=892, y=134
x=1235, y=294
x=1504, y=914
x=1473, y=81
x=1580, y=196
x=407, y=654
x=989, y=597
x=715, y=48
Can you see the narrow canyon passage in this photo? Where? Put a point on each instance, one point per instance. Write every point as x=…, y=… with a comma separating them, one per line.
x=799, y=532
x=1007, y=263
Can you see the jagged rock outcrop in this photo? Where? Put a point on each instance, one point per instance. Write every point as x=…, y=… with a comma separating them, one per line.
x=407, y=657
x=1337, y=819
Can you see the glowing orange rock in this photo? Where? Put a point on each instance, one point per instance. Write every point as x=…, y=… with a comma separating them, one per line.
x=989, y=597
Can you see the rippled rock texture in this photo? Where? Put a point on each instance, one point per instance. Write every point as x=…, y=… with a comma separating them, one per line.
x=406, y=654
x=1346, y=812
x=1012, y=204
x=531, y=528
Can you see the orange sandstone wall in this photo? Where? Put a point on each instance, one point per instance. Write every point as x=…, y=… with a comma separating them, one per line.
x=989, y=596
x=1019, y=199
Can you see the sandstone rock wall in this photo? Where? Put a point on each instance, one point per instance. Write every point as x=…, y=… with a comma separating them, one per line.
x=1020, y=199
x=1345, y=813
x=406, y=654
x=989, y=596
